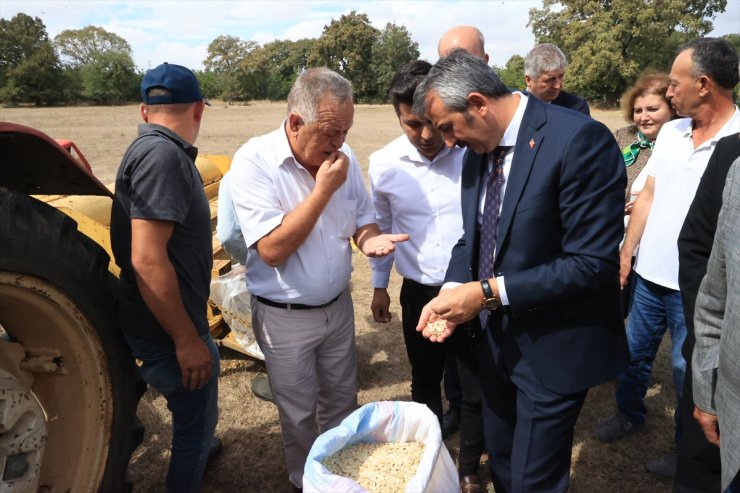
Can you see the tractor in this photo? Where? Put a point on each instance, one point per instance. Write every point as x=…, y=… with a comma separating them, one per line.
x=69, y=387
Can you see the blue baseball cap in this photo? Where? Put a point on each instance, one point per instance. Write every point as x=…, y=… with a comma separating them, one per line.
x=178, y=80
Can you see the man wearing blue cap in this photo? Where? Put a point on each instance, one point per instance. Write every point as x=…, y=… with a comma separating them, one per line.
x=161, y=239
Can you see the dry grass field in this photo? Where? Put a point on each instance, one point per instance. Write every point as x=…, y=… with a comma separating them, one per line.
x=252, y=459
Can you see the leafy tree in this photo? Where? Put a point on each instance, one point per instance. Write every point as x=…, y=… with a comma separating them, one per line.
x=209, y=83
x=29, y=67
x=611, y=42
x=288, y=58
x=392, y=49
x=225, y=53
x=268, y=72
x=512, y=74
x=346, y=45
x=87, y=45
x=110, y=79
x=102, y=62
x=733, y=39
x=225, y=56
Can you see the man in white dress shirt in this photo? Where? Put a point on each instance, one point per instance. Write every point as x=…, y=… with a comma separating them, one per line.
x=300, y=197
x=415, y=188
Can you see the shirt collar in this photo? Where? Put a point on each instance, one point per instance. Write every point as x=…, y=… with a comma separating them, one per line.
x=189, y=149
x=512, y=131
x=688, y=129
x=413, y=154
x=283, y=152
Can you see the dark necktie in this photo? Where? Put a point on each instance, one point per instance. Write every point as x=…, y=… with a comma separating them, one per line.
x=489, y=221
x=491, y=208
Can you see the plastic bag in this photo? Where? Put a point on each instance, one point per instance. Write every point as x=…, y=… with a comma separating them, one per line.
x=379, y=422
x=229, y=293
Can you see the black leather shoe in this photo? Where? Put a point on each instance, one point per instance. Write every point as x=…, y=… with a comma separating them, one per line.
x=449, y=424
x=261, y=388
x=471, y=484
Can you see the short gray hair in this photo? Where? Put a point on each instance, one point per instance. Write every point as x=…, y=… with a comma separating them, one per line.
x=311, y=87
x=544, y=58
x=454, y=77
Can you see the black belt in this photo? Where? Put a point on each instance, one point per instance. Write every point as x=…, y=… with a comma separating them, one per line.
x=294, y=306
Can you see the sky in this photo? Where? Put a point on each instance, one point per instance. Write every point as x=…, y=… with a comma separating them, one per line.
x=180, y=31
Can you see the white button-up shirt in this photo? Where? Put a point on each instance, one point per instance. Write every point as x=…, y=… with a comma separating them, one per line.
x=266, y=184
x=508, y=139
x=677, y=168
x=414, y=195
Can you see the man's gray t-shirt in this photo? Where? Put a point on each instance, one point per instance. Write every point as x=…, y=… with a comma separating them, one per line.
x=158, y=180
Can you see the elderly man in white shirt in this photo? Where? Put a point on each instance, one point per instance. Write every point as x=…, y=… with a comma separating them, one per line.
x=300, y=197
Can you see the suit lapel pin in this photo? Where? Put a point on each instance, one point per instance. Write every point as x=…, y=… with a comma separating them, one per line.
x=531, y=143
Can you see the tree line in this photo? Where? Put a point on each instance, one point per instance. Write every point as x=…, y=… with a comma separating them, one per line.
x=608, y=44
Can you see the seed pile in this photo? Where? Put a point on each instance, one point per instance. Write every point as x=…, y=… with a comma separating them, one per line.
x=437, y=327
x=377, y=467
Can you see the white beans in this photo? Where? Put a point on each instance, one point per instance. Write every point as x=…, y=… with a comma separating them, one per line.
x=377, y=467
x=437, y=327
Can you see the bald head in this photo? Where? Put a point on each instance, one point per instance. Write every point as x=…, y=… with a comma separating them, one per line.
x=467, y=38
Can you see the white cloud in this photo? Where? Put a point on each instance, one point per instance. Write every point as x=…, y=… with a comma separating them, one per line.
x=180, y=31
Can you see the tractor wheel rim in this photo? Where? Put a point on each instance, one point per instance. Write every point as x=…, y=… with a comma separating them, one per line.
x=75, y=399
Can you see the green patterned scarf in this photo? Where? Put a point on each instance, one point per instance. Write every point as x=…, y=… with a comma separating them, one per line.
x=631, y=152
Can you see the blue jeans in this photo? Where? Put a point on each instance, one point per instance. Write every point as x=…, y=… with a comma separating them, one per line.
x=194, y=412
x=654, y=309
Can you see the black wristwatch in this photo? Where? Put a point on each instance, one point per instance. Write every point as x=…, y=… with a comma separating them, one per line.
x=490, y=301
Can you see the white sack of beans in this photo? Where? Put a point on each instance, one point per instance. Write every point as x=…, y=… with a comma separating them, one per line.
x=383, y=447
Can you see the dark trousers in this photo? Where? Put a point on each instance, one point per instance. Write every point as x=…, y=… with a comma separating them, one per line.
x=698, y=468
x=735, y=485
x=427, y=358
x=528, y=428
x=465, y=345
x=451, y=384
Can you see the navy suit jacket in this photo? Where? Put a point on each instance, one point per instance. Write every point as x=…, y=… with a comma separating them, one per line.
x=558, y=238
x=573, y=102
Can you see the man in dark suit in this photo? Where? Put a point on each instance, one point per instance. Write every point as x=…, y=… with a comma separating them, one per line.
x=542, y=275
x=544, y=70
x=698, y=464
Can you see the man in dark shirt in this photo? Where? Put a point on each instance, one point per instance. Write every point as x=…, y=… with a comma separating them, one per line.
x=698, y=467
x=161, y=239
x=544, y=69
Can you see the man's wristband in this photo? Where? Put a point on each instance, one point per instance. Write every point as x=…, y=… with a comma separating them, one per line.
x=490, y=301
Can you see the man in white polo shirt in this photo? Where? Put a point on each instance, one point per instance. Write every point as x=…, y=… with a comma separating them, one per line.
x=702, y=93
x=300, y=197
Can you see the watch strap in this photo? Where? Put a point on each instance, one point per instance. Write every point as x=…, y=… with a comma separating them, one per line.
x=487, y=291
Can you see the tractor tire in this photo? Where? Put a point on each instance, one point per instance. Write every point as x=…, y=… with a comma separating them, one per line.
x=56, y=292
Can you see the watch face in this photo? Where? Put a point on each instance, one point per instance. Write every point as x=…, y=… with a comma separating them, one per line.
x=492, y=304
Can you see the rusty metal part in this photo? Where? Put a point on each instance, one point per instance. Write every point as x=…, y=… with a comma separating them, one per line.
x=34, y=163
x=43, y=360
